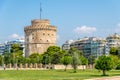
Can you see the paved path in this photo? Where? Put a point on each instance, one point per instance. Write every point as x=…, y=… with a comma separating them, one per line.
x=107, y=78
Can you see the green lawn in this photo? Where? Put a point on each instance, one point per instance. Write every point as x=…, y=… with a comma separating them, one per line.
x=52, y=74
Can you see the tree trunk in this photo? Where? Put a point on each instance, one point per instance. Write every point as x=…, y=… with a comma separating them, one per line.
x=65, y=67
x=83, y=67
x=75, y=69
x=104, y=72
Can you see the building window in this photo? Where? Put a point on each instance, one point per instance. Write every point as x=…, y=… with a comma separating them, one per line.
x=47, y=41
x=43, y=33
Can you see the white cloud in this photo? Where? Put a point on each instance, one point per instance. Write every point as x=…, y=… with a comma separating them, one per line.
x=16, y=36
x=85, y=29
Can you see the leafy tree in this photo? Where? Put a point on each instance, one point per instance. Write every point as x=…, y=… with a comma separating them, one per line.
x=75, y=61
x=7, y=57
x=115, y=60
x=74, y=50
x=74, y=53
x=55, y=58
x=16, y=53
x=54, y=53
x=46, y=59
x=19, y=60
x=34, y=58
x=52, y=49
x=0, y=59
x=91, y=60
x=104, y=63
x=113, y=51
x=118, y=52
x=39, y=58
x=27, y=60
x=66, y=60
x=34, y=55
x=61, y=53
x=15, y=48
x=84, y=61
x=118, y=65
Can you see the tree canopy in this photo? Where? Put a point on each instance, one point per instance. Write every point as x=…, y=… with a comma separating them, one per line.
x=113, y=51
x=66, y=60
x=104, y=63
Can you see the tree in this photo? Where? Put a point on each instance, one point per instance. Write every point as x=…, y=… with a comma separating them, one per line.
x=115, y=60
x=16, y=53
x=52, y=49
x=118, y=52
x=104, y=63
x=74, y=53
x=15, y=48
x=84, y=61
x=34, y=58
x=66, y=60
x=7, y=57
x=61, y=53
x=46, y=59
x=113, y=51
x=39, y=58
x=118, y=65
x=55, y=59
x=75, y=61
x=91, y=60
x=0, y=59
x=27, y=60
x=74, y=50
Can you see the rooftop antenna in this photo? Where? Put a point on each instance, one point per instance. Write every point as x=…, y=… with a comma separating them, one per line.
x=40, y=10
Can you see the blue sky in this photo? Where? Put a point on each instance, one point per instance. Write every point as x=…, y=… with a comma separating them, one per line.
x=73, y=18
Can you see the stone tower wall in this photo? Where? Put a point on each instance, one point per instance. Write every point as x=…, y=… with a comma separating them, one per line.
x=39, y=36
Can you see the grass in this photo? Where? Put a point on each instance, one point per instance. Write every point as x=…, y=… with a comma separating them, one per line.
x=52, y=74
